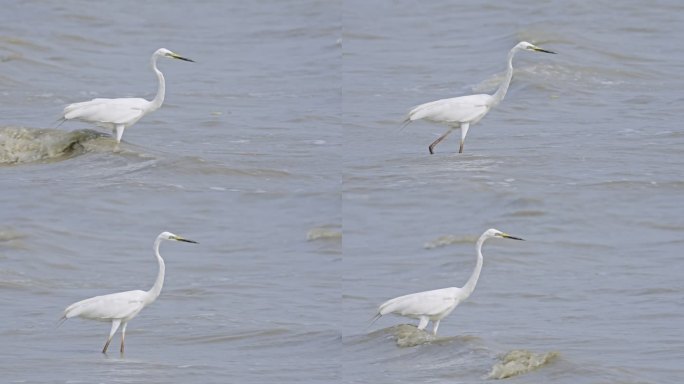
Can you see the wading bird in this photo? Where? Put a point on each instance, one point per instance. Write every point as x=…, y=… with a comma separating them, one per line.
x=437, y=304
x=119, y=114
x=461, y=112
x=119, y=308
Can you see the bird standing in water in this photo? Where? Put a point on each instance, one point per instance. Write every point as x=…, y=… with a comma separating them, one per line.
x=119, y=114
x=120, y=308
x=437, y=304
x=461, y=112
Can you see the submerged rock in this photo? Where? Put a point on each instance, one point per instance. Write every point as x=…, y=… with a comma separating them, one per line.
x=520, y=361
x=26, y=145
x=407, y=335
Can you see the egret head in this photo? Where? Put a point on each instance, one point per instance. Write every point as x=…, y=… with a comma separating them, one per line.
x=163, y=52
x=171, y=236
x=496, y=233
x=531, y=47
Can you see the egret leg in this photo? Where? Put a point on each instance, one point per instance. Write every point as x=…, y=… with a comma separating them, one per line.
x=464, y=132
x=423, y=322
x=434, y=143
x=435, y=325
x=115, y=326
x=123, y=335
x=119, y=132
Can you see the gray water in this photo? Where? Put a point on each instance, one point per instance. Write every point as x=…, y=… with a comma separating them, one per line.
x=285, y=131
x=243, y=157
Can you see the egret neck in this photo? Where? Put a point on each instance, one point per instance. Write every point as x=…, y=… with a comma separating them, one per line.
x=159, y=98
x=469, y=287
x=503, y=88
x=154, y=292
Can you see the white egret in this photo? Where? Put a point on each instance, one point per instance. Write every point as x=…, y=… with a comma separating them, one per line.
x=461, y=112
x=119, y=308
x=119, y=114
x=437, y=304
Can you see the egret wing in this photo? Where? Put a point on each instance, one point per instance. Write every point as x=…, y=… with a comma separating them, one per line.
x=453, y=110
x=104, y=308
x=428, y=303
x=107, y=111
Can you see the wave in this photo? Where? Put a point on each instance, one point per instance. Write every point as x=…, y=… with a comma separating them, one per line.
x=446, y=240
x=407, y=336
x=324, y=233
x=9, y=234
x=520, y=361
x=19, y=145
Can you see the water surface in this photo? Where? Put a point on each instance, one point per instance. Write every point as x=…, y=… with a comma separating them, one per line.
x=243, y=157
x=285, y=132
x=582, y=159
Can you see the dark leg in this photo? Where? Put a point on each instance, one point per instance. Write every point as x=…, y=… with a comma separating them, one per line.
x=104, y=350
x=115, y=326
x=464, y=132
x=123, y=336
x=439, y=139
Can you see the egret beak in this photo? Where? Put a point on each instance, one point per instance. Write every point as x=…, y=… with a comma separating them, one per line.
x=507, y=236
x=178, y=238
x=542, y=50
x=179, y=57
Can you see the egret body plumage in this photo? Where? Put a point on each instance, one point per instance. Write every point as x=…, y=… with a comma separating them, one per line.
x=119, y=308
x=119, y=114
x=461, y=112
x=437, y=304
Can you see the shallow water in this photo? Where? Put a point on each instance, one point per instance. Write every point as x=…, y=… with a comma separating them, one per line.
x=285, y=133
x=242, y=157
x=582, y=159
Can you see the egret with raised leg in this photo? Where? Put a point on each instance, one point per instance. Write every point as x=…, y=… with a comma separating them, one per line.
x=119, y=308
x=464, y=111
x=119, y=114
x=439, y=303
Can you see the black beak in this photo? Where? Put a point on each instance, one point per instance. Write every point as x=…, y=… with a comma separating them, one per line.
x=192, y=61
x=187, y=241
x=513, y=238
x=543, y=50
